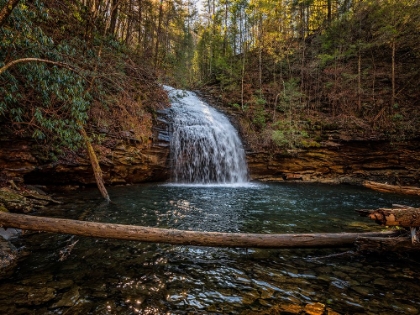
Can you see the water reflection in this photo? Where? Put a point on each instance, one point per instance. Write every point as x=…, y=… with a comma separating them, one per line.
x=102, y=276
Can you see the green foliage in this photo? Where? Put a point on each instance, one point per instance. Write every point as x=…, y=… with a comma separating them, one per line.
x=290, y=134
x=44, y=101
x=259, y=118
x=236, y=106
x=290, y=100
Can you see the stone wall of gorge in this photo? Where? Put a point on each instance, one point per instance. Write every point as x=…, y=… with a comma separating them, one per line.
x=123, y=159
x=342, y=162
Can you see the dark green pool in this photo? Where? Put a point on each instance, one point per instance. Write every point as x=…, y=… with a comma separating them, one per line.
x=121, y=277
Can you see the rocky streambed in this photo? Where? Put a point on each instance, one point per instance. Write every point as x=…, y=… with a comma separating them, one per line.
x=22, y=201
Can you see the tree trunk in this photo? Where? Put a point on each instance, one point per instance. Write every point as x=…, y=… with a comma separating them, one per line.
x=403, y=216
x=7, y=10
x=407, y=190
x=158, y=32
x=393, y=77
x=179, y=237
x=359, y=80
x=95, y=165
x=329, y=11
x=140, y=21
x=130, y=19
x=114, y=16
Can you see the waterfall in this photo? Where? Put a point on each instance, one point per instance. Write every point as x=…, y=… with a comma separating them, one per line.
x=205, y=147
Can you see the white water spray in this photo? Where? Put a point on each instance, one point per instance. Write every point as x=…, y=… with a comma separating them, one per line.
x=205, y=147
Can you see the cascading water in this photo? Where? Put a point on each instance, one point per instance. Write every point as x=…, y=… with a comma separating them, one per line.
x=205, y=147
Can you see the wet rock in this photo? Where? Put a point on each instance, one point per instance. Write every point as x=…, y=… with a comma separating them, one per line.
x=404, y=309
x=14, y=201
x=61, y=284
x=39, y=279
x=39, y=198
x=332, y=312
x=33, y=296
x=264, y=303
x=8, y=258
x=82, y=306
x=69, y=298
x=250, y=297
x=40, y=190
x=364, y=291
x=9, y=233
x=291, y=309
x=348, y=162
x=349, y=269
x=315, y=309
x=267, y=293
x=337, y=286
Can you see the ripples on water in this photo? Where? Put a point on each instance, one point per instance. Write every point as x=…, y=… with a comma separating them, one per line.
x=102, y=276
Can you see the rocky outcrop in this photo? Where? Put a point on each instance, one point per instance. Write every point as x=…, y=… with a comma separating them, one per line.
x=124, y=159
x=8, y=258
x=122, y=162
x=341, y=162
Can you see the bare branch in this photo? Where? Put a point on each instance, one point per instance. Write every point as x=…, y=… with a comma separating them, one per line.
x=26, y=60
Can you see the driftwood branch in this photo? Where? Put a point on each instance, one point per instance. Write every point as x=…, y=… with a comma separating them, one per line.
x=179, y=237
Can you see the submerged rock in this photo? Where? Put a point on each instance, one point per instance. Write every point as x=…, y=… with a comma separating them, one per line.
x=69, y=298
x=14, y=201
x=35, y=296
x=315, y=309
x=8, y=258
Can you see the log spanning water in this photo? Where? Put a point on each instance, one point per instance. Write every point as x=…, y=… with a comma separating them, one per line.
x=205, y=147
x=180, y=237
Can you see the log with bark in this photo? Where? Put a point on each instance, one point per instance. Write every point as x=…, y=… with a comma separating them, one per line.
x=406, y=190
x=180, y=237
x=399, y=215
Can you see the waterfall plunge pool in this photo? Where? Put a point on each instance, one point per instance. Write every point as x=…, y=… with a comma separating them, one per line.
x=104, y=276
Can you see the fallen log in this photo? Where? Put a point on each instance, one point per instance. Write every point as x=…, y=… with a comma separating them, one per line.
x=399, y=215
x=180, y=237
x=406, y=190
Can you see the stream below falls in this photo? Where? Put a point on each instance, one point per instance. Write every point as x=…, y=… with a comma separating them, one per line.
x=62, y=274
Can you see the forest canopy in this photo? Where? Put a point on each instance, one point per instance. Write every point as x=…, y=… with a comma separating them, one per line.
x=295, y=72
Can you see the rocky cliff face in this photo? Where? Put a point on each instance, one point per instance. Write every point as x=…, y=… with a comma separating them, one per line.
x=124, y=160
x=342, y=162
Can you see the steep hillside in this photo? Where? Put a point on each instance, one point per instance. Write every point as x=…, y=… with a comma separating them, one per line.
x=353, y=78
